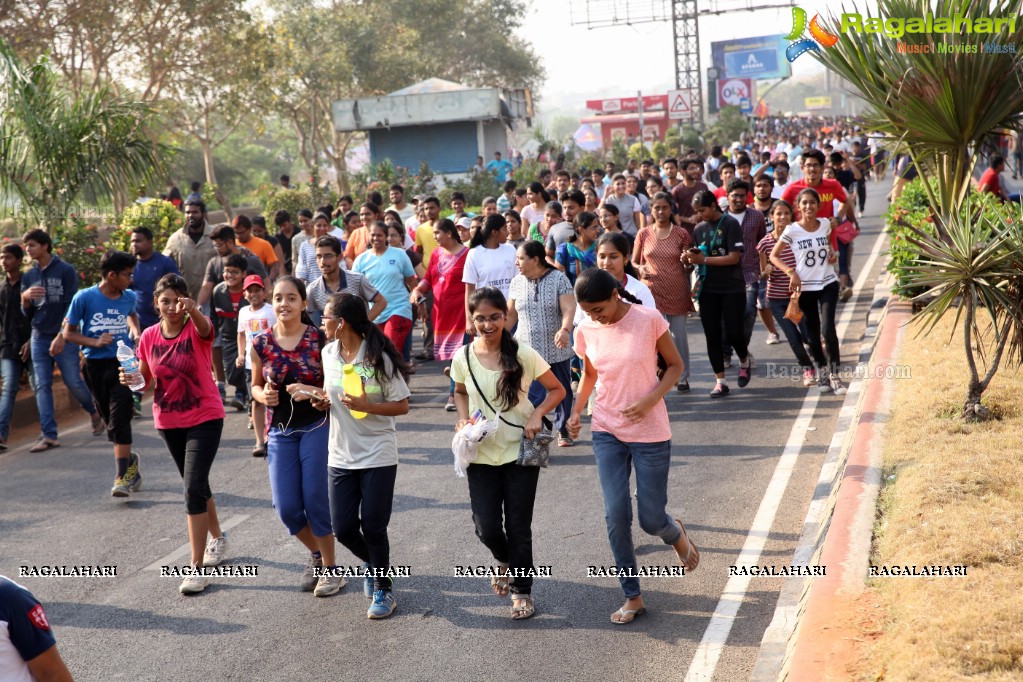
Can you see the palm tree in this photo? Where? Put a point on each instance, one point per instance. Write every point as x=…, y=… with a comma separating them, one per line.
x=942, y=105
x=56, y=146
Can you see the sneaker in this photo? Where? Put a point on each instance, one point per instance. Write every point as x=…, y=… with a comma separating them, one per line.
x=450, y=405
x=845, y=294
x=425, y=356
x=367, y=582
x=772, y=339
x=719, y=391
x=309, y=578
x=809, y=378
x=745, y=375
x=136, y=405
x=837, y=386
x=683, y=387
x=194, y=583
x=728, y=362
x=133, y=477
x=44, y=443
x=98, y=425
x=238, y=403
x=329, y=584
x=120, y=488
x=216, y=551
x=383, y=605
x=823, y=385
x=752, y=361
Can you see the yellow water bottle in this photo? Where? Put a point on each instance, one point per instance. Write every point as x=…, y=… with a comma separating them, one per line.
x=351, y=384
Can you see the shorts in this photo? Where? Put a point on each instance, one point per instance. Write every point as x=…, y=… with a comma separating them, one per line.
x=112, y=399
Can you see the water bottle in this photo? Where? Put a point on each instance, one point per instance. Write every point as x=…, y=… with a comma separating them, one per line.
x=351, y=384
x=130, y=365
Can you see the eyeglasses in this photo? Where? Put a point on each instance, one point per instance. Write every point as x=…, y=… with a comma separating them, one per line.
x=493, y=319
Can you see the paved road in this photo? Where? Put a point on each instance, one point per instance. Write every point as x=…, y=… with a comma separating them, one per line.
x=56, y=509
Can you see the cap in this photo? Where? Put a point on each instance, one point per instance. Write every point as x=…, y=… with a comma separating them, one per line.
x=465, y=222
x=417, y=198
x=253, y=279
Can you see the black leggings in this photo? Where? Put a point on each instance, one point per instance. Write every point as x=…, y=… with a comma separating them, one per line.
x=193, y=449
x=368, y=493
x=819, y=315
x=730, y=308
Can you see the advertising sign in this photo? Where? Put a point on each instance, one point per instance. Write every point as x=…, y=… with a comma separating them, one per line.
x=761, y=57
x=614, y=106
x=736, y=92
x=817, y=103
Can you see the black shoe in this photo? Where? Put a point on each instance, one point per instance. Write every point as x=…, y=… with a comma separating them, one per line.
x=425, y=356
x=259, y=450
x=683, y=387
x=719, y=391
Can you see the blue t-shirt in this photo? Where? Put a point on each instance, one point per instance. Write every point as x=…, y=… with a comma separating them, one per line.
x=25, y=633
x=143, y=283
x=500, y=168
x=387, y=273
x=95, y=314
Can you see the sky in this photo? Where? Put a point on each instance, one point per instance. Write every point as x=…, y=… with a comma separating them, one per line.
x=638, y=57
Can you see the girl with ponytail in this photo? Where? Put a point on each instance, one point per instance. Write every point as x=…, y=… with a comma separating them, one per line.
x=362, y=458
x=492, y=374
x=630, y=421
x=490, y=263
x=286, y=371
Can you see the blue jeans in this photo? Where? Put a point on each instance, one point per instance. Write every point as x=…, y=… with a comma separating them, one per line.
x=615, y=461
x=562, y=371
x=749, y=318
x=70, y=371
x=298, y=477
x=10, y=371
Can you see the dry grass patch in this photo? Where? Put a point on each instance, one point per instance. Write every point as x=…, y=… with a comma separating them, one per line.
x=956, y=498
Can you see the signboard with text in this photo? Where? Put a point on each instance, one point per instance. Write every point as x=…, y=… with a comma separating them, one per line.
x=624, y=104
x=817, y=103
x=736, y=92
x=760, y=58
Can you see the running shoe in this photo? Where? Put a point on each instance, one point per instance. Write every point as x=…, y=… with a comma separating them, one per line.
x=216, y=551
x=837, y=386
x=329, y=584
x=682, y=387
x=450, y=405
x=752, y=361
x=309, y=577
x=120, y=488
x=98, y=425
x=194, y=583
x=133, y=477
x=745, y=373
x=809, y=378
x=719, y=391
x=772, y=339
x=823, y=385
x=238, y=403
x=383, y=605
x=367, y=582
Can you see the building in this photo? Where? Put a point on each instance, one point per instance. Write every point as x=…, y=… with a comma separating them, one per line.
x=445, y=124
x=621, y=118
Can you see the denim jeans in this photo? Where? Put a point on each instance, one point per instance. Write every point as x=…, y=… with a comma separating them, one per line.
x=615, y=461
x=507, y=491
x=10, y=371
x=562, y=371
x=749, y=318
x=70, y=371
x=298, y=477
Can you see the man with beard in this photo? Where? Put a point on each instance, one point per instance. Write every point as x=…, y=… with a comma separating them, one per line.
x=191, y=247
x=684, y=192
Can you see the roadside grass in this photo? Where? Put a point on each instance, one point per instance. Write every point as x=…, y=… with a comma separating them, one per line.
x=956, y=498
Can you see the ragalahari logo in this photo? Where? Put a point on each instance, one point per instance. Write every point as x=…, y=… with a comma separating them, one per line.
x=818, y=35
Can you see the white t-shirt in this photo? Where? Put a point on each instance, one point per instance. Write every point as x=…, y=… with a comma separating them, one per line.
x=634, y=287
x=812, y=250
x=531, y=215
x=254, y=322
x=491, y=267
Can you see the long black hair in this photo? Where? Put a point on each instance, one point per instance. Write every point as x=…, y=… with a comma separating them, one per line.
x=509, y=384
x=300, y=286
x=534, y=249
x=445, y=225
x=582, y=220
x=537, y=188
x=621, y=243
x=492, y=224
x=352, y=309
x=594, y=285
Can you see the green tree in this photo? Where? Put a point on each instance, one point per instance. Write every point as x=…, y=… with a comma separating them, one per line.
x=56, y=146
x=942, y=106
x=730, y=124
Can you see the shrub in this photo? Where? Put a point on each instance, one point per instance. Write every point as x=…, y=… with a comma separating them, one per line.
x=475, y=187
x=291, y=200
x=77, y=242
x=159, y=216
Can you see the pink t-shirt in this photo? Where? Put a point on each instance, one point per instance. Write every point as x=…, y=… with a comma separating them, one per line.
x=625, y=357
x=182, y=370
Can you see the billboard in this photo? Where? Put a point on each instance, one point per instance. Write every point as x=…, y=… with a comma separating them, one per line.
x=614, y=106
x=817, y=103
x=761, y=57
x=736, y=92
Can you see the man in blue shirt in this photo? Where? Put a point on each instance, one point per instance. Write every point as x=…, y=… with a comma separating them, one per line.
x=46, y=292
x=150, y=266
x=100, y=318
x=28, y=650
x=500, y=168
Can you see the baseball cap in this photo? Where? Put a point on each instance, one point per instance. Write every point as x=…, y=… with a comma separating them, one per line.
x=253, y=279
x=464, y=221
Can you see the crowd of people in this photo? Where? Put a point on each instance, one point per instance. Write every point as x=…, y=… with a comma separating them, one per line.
x=566, y=297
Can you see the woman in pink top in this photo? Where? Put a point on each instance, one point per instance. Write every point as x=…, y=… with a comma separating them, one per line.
x=630, y=421
x=175, y=357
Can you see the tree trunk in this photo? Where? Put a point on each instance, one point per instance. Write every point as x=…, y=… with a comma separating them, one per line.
x=211, y=176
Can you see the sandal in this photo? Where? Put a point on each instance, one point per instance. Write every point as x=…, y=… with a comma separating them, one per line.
x=525, y=609
x=624, y=616
x=501, y=583
x=692, y=553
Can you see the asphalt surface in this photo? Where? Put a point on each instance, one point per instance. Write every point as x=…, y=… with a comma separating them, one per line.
x=55, y=508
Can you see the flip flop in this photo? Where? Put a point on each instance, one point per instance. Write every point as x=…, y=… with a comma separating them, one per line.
x=527, y=610
x=691, y=553
x=626, y=616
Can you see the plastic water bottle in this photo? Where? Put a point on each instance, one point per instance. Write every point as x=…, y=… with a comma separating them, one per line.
x=351, y=384
x=130, y=365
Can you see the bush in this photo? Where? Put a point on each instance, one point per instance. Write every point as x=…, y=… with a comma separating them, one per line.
x=382, y=175
x=77, y=243
x=159, y=216
x=475, y=187
x=528, y=172
x=290, y=200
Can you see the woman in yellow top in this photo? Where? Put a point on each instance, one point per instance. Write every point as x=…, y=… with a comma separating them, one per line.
x=502, y=369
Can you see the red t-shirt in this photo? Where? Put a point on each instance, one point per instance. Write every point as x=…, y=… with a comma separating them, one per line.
x=182, y=369
x=829, y=190
x=989, y=182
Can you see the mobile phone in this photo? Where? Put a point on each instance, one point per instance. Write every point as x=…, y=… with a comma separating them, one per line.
x=317, y=396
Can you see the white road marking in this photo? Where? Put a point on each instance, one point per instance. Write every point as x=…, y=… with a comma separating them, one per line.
x=705, y=659
x=185, y=549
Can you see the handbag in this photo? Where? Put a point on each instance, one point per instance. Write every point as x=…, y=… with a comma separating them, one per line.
x=846, y=232
x=794, y=313
x=533, y=452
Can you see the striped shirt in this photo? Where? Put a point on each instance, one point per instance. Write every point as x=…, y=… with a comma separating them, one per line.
x=778, y=282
